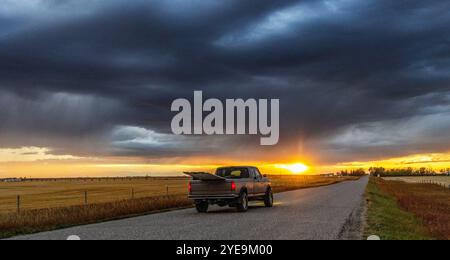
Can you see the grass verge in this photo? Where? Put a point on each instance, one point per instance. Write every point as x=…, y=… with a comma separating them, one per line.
x=403, y=211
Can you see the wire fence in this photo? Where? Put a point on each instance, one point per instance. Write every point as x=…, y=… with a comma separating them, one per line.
x=89, y=195
x=443, y=181
x=439, y=183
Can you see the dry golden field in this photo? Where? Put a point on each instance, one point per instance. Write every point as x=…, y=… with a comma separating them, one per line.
x=63, y=193
x=282, y=183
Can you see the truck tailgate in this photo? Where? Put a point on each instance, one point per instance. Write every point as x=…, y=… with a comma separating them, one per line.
x=210, y=188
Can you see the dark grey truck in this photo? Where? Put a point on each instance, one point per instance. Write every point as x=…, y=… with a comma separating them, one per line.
x=229, y=186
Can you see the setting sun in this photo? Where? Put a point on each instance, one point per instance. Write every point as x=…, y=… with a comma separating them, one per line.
x=295, y=168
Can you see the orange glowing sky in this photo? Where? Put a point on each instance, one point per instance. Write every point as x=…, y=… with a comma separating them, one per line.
x=39, y=162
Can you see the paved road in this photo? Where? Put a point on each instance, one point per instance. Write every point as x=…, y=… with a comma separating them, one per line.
x=318, y=213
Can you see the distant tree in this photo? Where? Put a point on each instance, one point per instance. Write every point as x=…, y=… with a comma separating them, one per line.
x=422, y=171
x=343, y=173
x=358, y=172
x=377, y=171
x=409, y=171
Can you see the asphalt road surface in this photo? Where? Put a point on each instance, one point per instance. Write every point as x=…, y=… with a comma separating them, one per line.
x=317, y=213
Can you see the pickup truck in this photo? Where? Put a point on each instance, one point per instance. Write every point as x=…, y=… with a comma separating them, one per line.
x=229, y=186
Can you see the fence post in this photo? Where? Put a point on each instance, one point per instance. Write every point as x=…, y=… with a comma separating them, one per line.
x=167, y=190
x=18, y=204
x=85, y=198
x=132, y=193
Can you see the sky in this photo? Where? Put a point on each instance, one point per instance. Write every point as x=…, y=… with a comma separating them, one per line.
x=86, y=85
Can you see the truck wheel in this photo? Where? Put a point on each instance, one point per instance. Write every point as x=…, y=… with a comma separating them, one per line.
x=268, y=199
x=202, y=207
x=243, y=202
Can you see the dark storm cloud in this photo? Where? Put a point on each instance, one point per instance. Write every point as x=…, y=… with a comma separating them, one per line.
x=335, y=65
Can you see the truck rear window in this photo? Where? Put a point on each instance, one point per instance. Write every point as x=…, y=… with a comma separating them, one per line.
x=233, y=173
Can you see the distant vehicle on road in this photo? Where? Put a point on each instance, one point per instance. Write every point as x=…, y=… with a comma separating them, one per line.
x=230, y=186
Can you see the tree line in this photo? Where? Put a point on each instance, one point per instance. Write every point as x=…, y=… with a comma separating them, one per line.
x=382, y=172
x=355, y=173
x=396, y=172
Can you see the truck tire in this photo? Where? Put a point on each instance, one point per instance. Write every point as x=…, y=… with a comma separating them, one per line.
x=268, y=198
x=242, y=206
x=202, y=207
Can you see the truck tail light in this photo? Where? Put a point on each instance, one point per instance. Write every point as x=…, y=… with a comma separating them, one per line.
x=233, y=186
x=190, y=187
